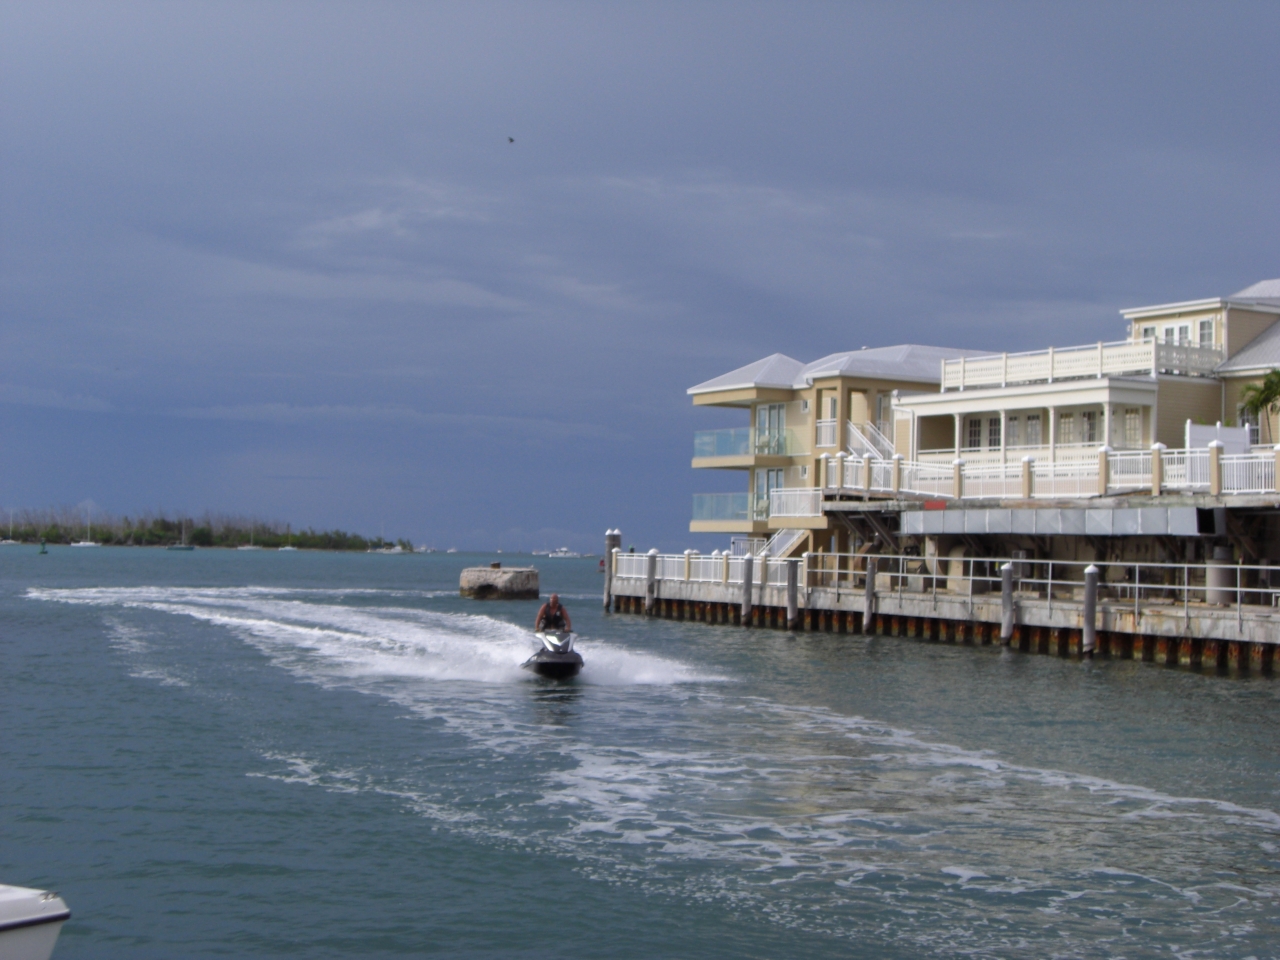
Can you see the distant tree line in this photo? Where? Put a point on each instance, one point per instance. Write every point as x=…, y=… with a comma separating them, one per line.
x=70, y=524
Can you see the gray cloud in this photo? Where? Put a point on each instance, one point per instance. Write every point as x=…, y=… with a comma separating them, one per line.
x=242, y=235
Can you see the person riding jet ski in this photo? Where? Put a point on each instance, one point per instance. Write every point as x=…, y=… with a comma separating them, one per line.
x=554, y=630
x=553, y=617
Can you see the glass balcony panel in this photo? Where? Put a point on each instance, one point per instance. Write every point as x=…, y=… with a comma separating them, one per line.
x=729, y=506
x=735, y=442
x=781, y=443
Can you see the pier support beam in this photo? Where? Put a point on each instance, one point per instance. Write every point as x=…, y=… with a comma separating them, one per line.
x=747, y=563
x=793, y=591
x=1089, y=628
x=1006, y=603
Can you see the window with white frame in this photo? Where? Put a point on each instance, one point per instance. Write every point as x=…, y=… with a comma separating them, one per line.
x=974, y=439
x=993, y=433
x=1206, y=333
x=1014, y=431
x=1133, y=427
x=1250, y=419
x=1089, y=426
x=1148, y=333
x=1067, y=429
x=1035, y=436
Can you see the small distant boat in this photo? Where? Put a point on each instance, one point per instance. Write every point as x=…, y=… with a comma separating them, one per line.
x=393, y=549
x=8, y=543
x=183, y=545
x=289, y=549
x=249, y=545
x=563, y=553
x=30, y=921
x=452, y=550
x=88, y=531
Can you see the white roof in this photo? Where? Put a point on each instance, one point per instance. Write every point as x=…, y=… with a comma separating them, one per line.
x=1265, y=290
x=1263, y=351
x=908, y=361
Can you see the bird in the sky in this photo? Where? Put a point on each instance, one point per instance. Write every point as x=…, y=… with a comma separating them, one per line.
x=511, y=139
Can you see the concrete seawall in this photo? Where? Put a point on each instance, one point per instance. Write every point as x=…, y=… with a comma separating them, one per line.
x=1199, y=636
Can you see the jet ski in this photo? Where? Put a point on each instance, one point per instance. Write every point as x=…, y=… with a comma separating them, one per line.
x=556, y=658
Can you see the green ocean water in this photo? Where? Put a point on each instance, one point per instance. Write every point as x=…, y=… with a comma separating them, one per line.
x=250, y=754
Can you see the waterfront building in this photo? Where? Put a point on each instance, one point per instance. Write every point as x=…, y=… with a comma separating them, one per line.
x=1114, y=498
x=797, y=413
x=852, y=447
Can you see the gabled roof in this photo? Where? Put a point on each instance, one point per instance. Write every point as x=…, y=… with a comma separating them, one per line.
x=908, y=361
x=1262, y=352
x=776, y=370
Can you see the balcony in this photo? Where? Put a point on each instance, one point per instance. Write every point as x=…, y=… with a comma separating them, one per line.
x=722, y=443
x=1125, y=357
x=826, y=433
x=729, y=506
x=740, y=446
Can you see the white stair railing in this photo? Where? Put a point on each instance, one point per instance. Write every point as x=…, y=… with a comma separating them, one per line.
x=781, y=543
x=866, y=441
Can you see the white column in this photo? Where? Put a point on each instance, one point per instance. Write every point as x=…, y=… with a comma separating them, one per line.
x=1106, y=424
x=959, y=424
x=1004, y=431
x=1053, y=434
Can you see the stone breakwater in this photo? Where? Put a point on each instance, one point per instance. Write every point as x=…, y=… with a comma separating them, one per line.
x=495, y=582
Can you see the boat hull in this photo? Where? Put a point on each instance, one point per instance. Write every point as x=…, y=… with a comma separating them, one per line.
x=30, y=921
x=30, y=942
x=554, y=666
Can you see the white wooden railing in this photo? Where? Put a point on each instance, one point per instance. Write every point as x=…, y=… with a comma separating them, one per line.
x=1095, y=360
x=1127, y=471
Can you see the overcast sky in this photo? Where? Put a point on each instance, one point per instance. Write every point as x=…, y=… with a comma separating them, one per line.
x=282, y=259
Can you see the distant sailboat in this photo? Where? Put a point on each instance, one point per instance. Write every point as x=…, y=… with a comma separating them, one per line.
x=10, y=541
x=183, y=545
x=88, y=530
x=249, y=545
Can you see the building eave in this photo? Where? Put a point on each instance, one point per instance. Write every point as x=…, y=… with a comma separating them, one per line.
x=1196, y=306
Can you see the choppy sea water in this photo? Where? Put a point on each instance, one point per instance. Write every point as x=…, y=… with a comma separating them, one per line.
x=244, y=754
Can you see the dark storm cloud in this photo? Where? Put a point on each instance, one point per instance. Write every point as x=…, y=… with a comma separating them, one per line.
x=248, y=243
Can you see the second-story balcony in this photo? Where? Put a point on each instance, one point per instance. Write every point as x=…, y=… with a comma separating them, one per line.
x=742, y=445
x=1126, y=357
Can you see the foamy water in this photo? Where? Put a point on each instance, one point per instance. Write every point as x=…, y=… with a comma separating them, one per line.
x=684, y=779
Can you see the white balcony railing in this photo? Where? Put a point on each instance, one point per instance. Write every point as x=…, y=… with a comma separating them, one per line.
x=1070, y=363
x=1249, y=473
x=796, y=502
x=826, y=433
x=1128, y=471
